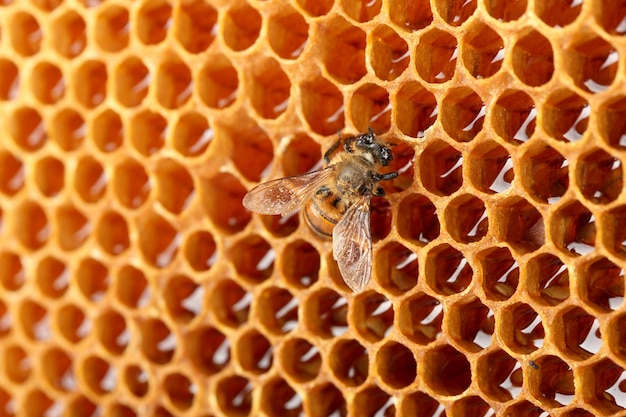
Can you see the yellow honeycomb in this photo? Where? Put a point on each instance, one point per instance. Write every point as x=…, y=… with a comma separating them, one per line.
x=134, y=283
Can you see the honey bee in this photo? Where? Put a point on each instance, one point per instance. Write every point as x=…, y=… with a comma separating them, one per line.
x=336, y=201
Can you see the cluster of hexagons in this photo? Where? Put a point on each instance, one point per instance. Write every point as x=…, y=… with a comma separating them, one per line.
x=132, y=278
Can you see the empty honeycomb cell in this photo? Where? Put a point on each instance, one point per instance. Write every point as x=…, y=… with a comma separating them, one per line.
x=253, y=258
x=592, y=64
x=132, y=81
x=420, y=318
x=578, y=412
x=131, y=184
x=288, y=33
x=349, y=362
x=315, y=8
x=174, y=186
x=447, y=270
x=614, y=227
x=471, y=324
x=300, y=264
x=607, y=387
x=157, y=342
x=499, y=376
x=483, y=51
x=514, y=116
x=131, y=286
x=90, y=180
x=192, y=134
x=234, y=395
x=241, y=27
x=251, y=151
x=506, y=10
x=491, y=168
x=221, y=197
x=207, y=348
x=12, y=274
x=136, y=380
x=180, y=390
x=25, y=33
x=183, y=298
x=521, y=328
x=112, y=28
x=200, y=250
x=455, y=12
x=49, y=176
x=325, y=400
x=47, y=83
x=112, y=332
x=300, y=359
x=322, y=106
x=545, y=173
x=396, y=268
x=419, y=403
x=31, y=226
x=370, y=107
x=159, y=240
x=218, y=82
x=558, y=13
x=441, y=168
x=75, y=226
x=301, y=155
x=90, y=83
x=361, y=10
x=372, y=316
x=82, y=406
x=92, y=278
x=195, y=25
x=17, y=364
x=122, y=410
x=533, y=59
x=12, y=173
x=437, y=51
x=72, y=323
x=68, y=129
x=462, y=114
x=10, y=82
x=28, y=129
x=380, y=218
x=345, y=61
x=372, y=401
x=279, y=399
x=107, y=131
x=602, y=285
x=466, y=219
x=411, y=16
x=255, y=353
x=599, y=176
x=447, y=371
x=566, y=116
x=611, y=17
x=99, y=375
x=519, y=224
x=404, y=164
x=37, y=403
x=281, y=226
x=396, y=365
x=147, y=132
x=34, y=320
x=472, y=406
x=573, y=229
x=416, y=110
x=269, y=89
x=112, y=233
x=277, y=310
x=555, y=384
x=69, y=34
x=174, y=84
x=499, y=273
x=231, y=303
x=45, y=5
x=578, y=335
x=325, y=314
x=58, y=369
x=153, y=20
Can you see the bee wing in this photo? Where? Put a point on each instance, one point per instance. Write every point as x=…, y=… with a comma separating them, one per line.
x=285, y=195
x=352, y=245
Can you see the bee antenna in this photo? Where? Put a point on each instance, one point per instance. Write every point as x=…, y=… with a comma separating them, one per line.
x=370, y=131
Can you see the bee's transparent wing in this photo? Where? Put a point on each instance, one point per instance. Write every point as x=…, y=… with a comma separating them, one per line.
x=285, y=195
x=352, y=245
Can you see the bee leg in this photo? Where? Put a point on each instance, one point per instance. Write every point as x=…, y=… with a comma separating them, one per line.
x=379, y=192
x=384, y=177
x=332, y=149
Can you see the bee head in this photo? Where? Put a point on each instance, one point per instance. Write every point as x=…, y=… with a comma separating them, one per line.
x=367, y=143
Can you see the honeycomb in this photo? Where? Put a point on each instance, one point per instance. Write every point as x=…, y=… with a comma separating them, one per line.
x=134, y=283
